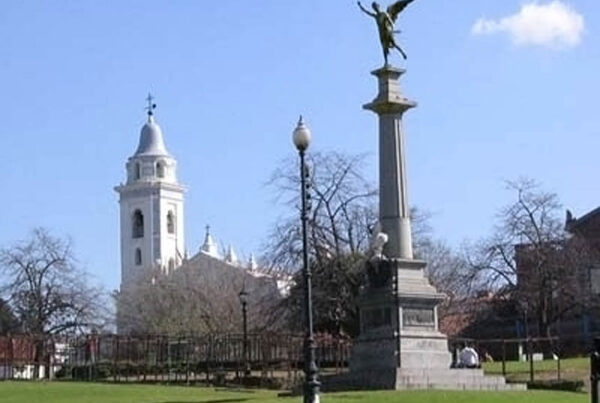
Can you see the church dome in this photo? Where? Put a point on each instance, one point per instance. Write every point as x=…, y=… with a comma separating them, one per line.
x=151, y=139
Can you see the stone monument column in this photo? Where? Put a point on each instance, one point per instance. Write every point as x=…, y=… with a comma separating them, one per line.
x=398, y=307
x=394, y=211
x=399, y=345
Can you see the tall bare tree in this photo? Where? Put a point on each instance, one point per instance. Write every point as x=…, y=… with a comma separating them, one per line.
x=47, y=291
x=344, y=209
x=531, y=260
x=45, y=288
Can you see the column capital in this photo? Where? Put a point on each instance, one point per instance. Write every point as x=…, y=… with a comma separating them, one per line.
x=389, y=100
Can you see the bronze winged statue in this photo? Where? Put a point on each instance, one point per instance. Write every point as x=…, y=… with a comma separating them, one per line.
x=385, y=23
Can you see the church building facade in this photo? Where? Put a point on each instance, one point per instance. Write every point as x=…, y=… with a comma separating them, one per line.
x=152, y=239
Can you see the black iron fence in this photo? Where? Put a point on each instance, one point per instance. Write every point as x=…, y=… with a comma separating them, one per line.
x=274, y=359
x=212, y=358
x=531, y=359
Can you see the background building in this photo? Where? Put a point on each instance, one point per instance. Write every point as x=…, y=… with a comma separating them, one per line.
x=151, y=202
x=153, y=245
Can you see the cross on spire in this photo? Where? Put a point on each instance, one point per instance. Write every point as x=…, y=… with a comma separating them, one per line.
x=151, y=105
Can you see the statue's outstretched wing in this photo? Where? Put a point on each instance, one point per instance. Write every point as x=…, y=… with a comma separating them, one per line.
x=396, y=8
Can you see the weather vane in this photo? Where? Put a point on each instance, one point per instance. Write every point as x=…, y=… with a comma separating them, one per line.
x=151, y=106
x=385, y=24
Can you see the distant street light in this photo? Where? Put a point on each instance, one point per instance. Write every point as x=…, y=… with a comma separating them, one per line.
x=301, y=138
x=244, y=301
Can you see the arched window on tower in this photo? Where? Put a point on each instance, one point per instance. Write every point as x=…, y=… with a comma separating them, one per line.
x=137, y=224
x=160, y=169
x=171, y=266
x=138, y=170
x=170, y=222
x=138, y=256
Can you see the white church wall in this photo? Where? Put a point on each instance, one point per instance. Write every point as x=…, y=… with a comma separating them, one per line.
x=172, y=244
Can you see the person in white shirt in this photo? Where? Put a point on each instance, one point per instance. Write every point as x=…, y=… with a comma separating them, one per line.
x=468, y=358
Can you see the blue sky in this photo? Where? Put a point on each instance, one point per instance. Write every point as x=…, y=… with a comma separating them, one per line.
x=230, y=78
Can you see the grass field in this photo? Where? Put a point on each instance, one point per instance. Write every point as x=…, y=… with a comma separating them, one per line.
x=571, y=369
x=66, y=392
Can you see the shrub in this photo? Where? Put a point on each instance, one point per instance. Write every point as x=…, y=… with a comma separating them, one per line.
x=563, y=385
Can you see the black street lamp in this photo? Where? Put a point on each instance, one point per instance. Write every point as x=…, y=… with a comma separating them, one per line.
x=244, y=301
x=595, y=371
x=301, y=138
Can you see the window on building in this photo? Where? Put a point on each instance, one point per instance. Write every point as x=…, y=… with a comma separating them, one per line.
x=138, y=256
x=138, y=170
x=137, y=225
x=160, y=169
x=170, y=222
x=171, y=265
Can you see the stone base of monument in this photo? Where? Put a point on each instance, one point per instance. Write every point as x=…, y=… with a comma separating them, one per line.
x=418, y=379
x=400, y=345
x=417, y=351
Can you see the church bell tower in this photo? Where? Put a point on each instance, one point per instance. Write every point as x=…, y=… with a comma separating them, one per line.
x=151, y=206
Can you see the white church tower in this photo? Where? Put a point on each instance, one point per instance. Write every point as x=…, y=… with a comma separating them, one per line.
x=151, y=203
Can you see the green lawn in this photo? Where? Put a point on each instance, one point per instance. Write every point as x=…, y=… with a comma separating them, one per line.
x=65, y=392
x=571, y=368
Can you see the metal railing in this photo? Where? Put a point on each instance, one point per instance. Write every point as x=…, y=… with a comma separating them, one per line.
x=526, y=359
x=274, y=358
x=211, y=358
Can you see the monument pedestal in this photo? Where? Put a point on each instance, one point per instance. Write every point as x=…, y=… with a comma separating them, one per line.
x=398, y=320
x=398, y=325
x=400, y=346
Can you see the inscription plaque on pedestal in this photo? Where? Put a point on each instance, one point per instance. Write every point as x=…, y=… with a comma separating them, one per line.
x=418, y=317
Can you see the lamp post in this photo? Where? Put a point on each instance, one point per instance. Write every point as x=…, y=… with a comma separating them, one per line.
x=595, y=371
x=301, y=138
x=244, y=301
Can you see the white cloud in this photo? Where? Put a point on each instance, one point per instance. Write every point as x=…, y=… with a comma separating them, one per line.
x=554, y=25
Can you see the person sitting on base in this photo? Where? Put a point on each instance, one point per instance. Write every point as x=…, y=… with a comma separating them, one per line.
x=468, y=358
